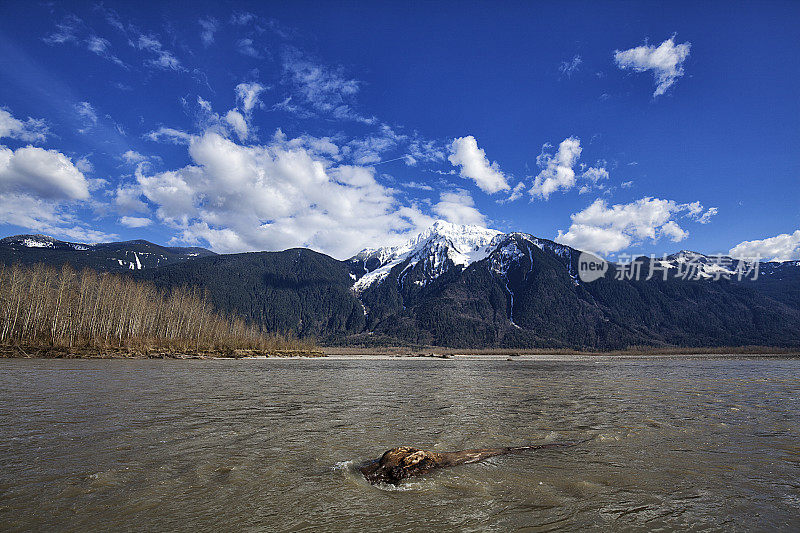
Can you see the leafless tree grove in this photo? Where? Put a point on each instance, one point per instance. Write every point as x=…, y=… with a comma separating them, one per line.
x=45, y=306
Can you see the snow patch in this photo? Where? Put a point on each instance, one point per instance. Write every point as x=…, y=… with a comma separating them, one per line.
x=36, y=243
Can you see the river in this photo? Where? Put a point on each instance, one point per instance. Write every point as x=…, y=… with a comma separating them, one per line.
x=706, y=444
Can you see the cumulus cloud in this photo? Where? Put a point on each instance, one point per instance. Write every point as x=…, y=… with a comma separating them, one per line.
x=458, y=207
x=39, y=190
x=604, y=229
x=128, y=199
x=47, y=216
x=665, y=60
x=783, y=247
x=557, y=169
x=44, y=173
x=238, y=123
x=464, y=153
x=32, y=130
x=276, y=196
x=135, y=222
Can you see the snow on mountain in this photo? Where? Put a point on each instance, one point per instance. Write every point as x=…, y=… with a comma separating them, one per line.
x=460, y=244
x=694, y=265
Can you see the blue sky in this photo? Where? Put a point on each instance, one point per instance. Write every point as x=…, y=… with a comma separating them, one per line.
x=612, y=127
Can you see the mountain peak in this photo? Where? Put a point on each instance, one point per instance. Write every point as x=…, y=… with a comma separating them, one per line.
x=439, y=245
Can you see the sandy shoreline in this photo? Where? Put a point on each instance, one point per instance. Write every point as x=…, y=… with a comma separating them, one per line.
x=394, y=353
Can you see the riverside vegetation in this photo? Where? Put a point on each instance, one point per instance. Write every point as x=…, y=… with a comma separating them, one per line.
x=60, y=312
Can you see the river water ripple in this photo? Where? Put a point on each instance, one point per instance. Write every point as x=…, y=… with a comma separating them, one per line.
x=688, y=444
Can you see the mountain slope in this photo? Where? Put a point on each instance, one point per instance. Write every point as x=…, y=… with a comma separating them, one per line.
x=525, y=292
x=295, y=290
x=465, y=286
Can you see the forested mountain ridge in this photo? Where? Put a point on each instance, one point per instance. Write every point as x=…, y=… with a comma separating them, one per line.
x=109, y=256
x=463, y=286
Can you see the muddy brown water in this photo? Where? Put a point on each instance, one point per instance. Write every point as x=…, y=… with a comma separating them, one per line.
x=705, y=444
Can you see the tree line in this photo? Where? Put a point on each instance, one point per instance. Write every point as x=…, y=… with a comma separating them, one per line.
x=46, y=306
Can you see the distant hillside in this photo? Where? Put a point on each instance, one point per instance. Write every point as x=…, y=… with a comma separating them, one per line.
x=111, y=257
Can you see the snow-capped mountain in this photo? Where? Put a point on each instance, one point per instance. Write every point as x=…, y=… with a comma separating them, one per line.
x=445, y=245
x=438, y=248
x=694, y=265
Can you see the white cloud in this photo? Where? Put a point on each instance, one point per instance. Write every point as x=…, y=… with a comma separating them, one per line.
x=326, y=89
x=44, y=173
x=666, y=62
x=415, y=185
x=276, y=196
x=164, y=59
x=245, y=47
x=603, y=229
x=98, y=45
x=209, y=26
x=66, y=31
x=169, y=135
x=247, y=95
x=595, y=174
x=39, y=190
x=423, y=150
x=557, y=170
x=705, y=218
x=783, y=247
x=86, y=111
x=238, y=123
x=84, y=165
x=135, y=222
x=240, y=18
x=47, y=216
x=516, y=192
x=71, y=29
x=32, y=130
x=626, y=184
x=464, y=153
x=128, y=199
x=458, y=207
x=369, y=149
x=131, y=157
x=673, y=231
x=568, y=67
